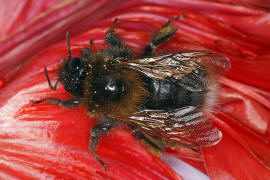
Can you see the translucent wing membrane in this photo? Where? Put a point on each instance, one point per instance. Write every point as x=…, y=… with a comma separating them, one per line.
x=190, y=70
x=186, y=126
x=178, y=64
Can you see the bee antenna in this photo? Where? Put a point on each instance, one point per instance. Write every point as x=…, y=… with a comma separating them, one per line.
x=91, y=45
x=69, y=50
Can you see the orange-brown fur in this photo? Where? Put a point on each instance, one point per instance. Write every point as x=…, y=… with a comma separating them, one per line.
x=130, y=102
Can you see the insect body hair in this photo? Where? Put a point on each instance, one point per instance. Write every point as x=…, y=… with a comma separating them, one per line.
x=130, y=100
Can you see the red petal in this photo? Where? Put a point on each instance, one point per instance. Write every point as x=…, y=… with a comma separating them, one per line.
x=246, y=105
x=232, y=158
x=41, y=24
x=49, y=141
x=189, y=156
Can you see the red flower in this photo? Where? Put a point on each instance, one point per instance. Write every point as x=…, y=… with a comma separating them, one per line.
x=45, y=141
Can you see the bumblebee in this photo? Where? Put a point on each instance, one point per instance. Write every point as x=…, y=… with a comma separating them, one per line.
x=163, y=99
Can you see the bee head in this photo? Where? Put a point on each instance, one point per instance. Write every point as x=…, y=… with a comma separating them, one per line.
x=72, y=75
x=74, y=70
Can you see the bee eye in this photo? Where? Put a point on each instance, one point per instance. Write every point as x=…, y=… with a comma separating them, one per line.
x=73, y=74
x=78, y=67
x=76, y=63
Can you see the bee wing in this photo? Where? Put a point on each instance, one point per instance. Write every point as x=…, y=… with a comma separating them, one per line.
x=186, y=126
x=178, y=64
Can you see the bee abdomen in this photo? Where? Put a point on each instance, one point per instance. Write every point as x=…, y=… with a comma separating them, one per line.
x=165, y=94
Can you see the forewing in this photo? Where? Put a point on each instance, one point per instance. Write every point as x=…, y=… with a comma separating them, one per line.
x=186, y=126
x=178, y=64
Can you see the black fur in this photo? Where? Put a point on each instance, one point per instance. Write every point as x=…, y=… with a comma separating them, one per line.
x=72, y=75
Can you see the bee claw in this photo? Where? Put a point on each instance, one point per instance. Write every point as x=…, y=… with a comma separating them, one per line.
x=104, y=165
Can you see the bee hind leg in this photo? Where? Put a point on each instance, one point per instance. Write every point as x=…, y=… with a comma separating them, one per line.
x=97, y=132
x=165, y=33
x=154, y=145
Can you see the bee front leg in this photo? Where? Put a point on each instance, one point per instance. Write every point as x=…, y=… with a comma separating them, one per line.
x=96, y=132
x=165, y=33
x=63, y=103
x=111, y=38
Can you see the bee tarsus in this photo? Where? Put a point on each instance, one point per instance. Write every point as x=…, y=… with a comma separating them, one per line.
x=63, y=103
x=96, y=132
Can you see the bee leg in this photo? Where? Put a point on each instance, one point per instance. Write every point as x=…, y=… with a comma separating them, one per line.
x=154, y=145
x=117, y=47
x=111, y=38
x=165, y=33
x=63, y=103
x=96, y=132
